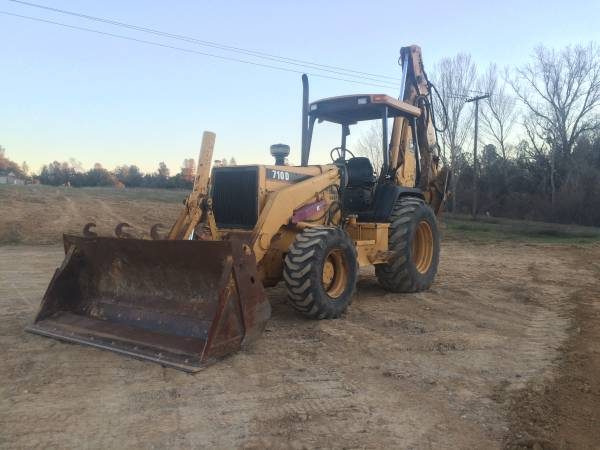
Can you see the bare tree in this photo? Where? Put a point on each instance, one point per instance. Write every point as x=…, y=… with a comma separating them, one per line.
x=188, y=169
x=561, y=91
x=499, y=114
x=163, y=170
x=537, y=132
x=76, y=165
x=454, y=77
x=369, y=145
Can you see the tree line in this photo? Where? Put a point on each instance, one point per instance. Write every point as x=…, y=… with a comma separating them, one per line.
x=539, y=136
x=540, y=131
x=71, y=173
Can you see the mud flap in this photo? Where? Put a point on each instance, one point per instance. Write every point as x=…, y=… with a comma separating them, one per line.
x=183, y=304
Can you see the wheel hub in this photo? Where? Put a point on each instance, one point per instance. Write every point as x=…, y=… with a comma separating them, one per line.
x=422, y=247
x=335, y=274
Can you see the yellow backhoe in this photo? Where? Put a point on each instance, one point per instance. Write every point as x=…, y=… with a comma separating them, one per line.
x=196, y=294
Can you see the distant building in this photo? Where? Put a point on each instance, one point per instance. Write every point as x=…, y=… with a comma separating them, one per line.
x=11, y=178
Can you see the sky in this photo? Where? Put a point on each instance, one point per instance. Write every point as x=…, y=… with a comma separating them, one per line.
x=72, y=94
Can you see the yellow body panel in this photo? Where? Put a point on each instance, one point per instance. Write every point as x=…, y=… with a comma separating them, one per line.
x=371, y=241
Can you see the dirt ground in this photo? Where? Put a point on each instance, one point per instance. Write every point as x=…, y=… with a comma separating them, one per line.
x=502, y=352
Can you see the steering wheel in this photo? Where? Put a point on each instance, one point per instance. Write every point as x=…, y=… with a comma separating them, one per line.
x=339, y=151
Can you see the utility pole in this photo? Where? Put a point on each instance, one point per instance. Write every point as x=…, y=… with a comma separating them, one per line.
x=475, y=171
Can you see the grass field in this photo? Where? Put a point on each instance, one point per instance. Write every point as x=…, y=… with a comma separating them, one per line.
x=486, y=229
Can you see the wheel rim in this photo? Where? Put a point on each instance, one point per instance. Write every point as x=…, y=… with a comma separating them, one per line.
x=335, y=274
x=422, y=247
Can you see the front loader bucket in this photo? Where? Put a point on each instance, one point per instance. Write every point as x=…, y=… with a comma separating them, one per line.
x=179, y=303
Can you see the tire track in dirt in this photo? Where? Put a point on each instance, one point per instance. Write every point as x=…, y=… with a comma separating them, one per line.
x=67, y=215
x=564, y=412
x=110, y=212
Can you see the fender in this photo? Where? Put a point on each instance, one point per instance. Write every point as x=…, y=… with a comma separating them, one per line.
x=385, y=196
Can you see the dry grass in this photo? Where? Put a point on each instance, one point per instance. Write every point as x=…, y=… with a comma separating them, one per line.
x=41, y=214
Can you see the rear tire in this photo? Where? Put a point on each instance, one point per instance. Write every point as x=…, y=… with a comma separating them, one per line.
x=414, y=240
x=320, y=272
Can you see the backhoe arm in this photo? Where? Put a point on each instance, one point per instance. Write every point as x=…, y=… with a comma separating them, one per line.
x=424, y=172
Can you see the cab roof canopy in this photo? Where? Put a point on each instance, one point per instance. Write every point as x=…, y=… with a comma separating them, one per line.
x=349, y=109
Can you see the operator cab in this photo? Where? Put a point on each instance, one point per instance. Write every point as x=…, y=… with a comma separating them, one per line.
x=363, y=194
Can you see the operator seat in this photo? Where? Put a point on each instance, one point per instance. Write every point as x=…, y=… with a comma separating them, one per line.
x=358, y=194
x=360, y=172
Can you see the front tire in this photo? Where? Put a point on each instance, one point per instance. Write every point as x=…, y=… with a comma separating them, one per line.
x=320, y=272
x=415, y=242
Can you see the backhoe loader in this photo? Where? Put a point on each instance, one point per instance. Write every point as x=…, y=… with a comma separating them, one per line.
x=196, y=294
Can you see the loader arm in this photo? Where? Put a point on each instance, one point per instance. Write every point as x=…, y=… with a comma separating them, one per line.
x=191, y=215
x=281, y=204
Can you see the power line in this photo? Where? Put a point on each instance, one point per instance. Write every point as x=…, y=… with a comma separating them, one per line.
x=476, y=99
x=476, y=91
x=188, y=50
x=262, y=55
